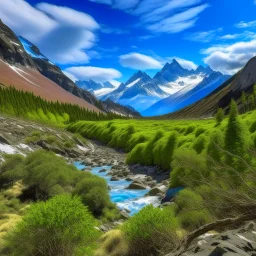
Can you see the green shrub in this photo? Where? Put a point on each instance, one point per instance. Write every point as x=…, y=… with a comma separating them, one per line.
x=164, y=149
x=235, y=137
x=60, y=226
x=200, y=131
x=147, y=152
x=253, y=127
x=94, y=194
x=215, y=146
x=188, y=167
x=191, y=210
x=150, y=230
x=12, y=169
x=189, y=129
x=199, y=144
x=219, y=116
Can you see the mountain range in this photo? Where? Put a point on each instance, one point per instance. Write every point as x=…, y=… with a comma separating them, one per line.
x=242, y=81
x=171, y=89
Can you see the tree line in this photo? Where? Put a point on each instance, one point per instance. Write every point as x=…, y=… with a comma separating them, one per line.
x=26, y=105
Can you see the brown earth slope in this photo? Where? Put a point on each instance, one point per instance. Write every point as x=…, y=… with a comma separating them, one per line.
x=17, y=69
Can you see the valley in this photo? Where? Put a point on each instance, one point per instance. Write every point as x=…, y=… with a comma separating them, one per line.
x=113, y=142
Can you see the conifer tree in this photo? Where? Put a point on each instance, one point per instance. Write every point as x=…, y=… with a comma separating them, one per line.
x=219, y=116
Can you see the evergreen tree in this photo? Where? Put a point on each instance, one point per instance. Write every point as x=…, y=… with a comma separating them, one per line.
x=235, y=143
x=219, y=116
x=243, y=99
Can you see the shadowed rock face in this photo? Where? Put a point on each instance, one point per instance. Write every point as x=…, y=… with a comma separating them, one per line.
x=11, y=50
x=55, y=74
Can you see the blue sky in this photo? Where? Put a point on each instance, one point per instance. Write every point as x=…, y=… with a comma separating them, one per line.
x=111, y=39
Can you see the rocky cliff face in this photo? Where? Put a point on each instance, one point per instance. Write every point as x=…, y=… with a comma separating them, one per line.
x=55, y=74
x=110, y=106
x=11, y=50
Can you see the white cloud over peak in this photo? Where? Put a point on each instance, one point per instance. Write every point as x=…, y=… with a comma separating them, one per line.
x=229, y=59
x=95, y=73
x=167, y=16
x=61, y=33
x=136, y=60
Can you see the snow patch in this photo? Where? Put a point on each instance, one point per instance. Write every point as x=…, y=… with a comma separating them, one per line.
x=133, y=83
x=14, y=43
x=103, y=91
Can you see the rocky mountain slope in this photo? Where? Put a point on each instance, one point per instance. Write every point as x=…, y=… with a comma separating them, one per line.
x=244, y=80
x=187, y=95
x=144, y=93
x=113, y=107
x=18, y=69
x=54, y=73
x=23, y=66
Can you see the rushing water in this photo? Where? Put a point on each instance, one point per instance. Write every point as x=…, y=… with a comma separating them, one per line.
x=129, y=199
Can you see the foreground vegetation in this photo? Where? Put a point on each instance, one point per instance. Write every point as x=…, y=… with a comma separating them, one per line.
x=65, y=205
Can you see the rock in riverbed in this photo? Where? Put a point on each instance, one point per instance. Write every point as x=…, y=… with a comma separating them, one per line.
x=137, y=185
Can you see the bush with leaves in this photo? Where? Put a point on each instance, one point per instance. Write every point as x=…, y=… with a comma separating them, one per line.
x=151, y=230
x=60, y=226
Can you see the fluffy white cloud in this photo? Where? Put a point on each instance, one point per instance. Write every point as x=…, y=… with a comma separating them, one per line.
x=95, y=73
x=169, y=16
x=243, y=24
x=25, y=19
x=184, y=63
x=68, y=16
x=230, y=58
x=61, y=33
x=204, y=36
x=136, y=60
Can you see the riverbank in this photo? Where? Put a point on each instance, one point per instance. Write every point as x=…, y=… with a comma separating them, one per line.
x=131, y=187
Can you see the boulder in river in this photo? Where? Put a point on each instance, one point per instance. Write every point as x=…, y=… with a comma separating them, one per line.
x=158, y=190
x=103, y=170
x=114, y=178
x=137, y=185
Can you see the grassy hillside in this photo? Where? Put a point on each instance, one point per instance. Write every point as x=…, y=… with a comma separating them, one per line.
x=152, y=142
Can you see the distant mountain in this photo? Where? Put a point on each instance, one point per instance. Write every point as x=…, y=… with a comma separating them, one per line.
x=139, y=92
x=244, y=80
x=92, y=86
x=187, y=95
x=170, y=72
x=142, y=91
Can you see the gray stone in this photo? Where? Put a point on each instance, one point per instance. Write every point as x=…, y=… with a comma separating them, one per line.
x=4, y=140
x=124, y=215
x=114, y=178
x=137, y=185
